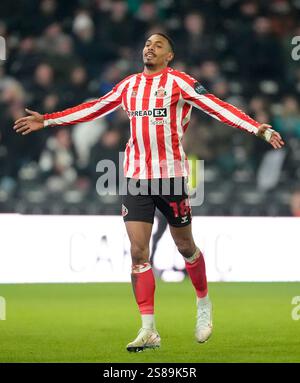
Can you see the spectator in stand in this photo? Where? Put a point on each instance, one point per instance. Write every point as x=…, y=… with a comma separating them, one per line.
x=260, y=55
x=58, y=161
x=288, y=122
x=77, y=87
x=195, y=44
x=117, y=27
x=18, y=152
x=63, y=59
x=42, y=85
x=146, y=16
x=94, y=51
x=25, y=60
x=106, y=149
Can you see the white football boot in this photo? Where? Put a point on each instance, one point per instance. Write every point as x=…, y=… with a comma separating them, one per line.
x=204, y=320
x=146, y=339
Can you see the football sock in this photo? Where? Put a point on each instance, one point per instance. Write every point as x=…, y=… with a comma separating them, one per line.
x=148, y=321
x=195, y=266
x=203, y=301
x=143, y=284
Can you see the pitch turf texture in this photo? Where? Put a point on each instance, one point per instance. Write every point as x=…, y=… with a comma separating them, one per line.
x=94, y=322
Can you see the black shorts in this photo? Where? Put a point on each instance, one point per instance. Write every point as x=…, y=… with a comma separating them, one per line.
x=169, y=195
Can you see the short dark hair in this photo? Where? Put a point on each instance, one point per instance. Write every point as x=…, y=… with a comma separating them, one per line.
x=170, y=41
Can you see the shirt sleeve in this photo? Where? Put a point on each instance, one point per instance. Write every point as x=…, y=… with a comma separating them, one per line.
x=196, y=95
x=88, y=111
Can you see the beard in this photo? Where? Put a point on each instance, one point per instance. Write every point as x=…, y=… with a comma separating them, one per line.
x=149, y=65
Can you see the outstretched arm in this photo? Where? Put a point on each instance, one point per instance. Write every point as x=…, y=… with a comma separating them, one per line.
x=270, y=135
x=196, y=95
x=81, y=113
x=26, y=125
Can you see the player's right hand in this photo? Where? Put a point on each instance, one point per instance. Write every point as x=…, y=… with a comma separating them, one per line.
x=26, y=125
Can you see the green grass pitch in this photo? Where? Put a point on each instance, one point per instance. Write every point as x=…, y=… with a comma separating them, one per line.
x=94, y=322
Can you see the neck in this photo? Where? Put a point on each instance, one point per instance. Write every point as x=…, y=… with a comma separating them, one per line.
x=153, y=70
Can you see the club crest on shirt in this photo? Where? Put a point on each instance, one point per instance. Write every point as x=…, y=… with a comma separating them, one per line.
x=133, y=93
x=160, y=93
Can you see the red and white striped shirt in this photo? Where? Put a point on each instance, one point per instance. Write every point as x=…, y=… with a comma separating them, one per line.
x=159, y=108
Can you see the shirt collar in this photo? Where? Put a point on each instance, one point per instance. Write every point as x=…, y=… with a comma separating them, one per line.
x=156, y=74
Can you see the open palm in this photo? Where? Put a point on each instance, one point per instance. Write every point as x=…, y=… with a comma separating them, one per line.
x=26, y=125
x=274, y=138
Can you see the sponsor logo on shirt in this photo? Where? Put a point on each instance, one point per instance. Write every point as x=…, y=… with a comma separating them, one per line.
x=159, y=122
x=160, y=112
x=156, y=112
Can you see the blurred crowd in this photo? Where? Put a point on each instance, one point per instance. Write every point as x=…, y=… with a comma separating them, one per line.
x=62, y=53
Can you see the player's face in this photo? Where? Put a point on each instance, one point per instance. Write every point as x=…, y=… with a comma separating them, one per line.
x=156, y=52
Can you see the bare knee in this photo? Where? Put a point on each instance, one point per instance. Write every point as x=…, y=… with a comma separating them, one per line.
x=186, y=246
x=139, y=253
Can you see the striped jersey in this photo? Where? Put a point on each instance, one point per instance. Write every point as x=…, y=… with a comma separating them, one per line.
x=159, y=109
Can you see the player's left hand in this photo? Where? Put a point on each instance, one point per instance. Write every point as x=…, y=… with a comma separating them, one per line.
x=270, y=135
